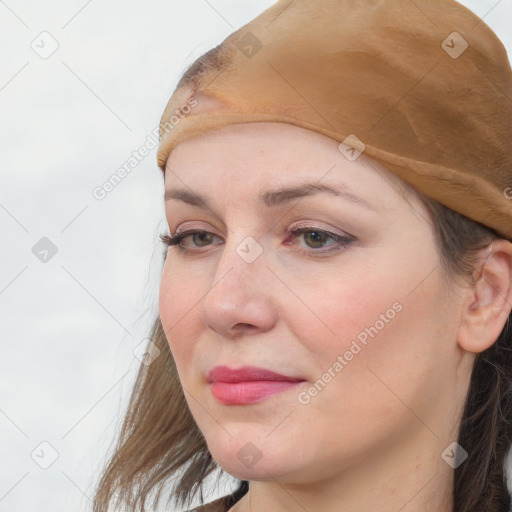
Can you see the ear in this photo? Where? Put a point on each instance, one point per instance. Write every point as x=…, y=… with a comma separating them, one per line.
x=489, y=300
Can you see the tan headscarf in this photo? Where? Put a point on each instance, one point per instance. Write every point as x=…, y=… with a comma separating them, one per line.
x=424, y=88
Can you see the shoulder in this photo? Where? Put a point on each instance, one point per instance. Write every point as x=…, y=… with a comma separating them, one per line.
x=220, y=505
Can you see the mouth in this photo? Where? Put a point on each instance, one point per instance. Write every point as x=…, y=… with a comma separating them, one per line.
x=247, y=374
x=248, y=384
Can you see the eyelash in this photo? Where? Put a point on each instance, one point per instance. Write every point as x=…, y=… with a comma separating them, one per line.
x=342, y=241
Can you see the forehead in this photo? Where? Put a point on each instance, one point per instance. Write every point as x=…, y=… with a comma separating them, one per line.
x=259, y=154
x=277, y=146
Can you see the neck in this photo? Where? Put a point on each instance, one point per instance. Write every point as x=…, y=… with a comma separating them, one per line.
x=406, y=476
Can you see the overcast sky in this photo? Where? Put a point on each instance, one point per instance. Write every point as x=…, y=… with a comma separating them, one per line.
x=82, y=86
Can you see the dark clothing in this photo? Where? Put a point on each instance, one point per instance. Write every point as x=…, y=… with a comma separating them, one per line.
x=220, y=505
x=226, y=502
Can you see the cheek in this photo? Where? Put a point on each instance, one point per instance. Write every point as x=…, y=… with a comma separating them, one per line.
x=376, y=320
x=179, y=307
x=339, y=311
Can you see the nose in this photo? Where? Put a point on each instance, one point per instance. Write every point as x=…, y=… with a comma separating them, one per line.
x=241, y=298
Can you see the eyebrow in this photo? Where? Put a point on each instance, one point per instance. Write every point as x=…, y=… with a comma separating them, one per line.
x=271, y=198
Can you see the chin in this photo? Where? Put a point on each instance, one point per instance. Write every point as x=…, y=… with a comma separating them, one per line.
x=251, y=457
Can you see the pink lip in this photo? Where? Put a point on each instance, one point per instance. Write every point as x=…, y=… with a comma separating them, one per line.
x=248, y=384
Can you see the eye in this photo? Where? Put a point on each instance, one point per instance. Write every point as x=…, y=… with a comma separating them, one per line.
x=316, y=237
x=176, y=239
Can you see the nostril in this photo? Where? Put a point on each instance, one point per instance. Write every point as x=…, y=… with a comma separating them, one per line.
x=245, y=326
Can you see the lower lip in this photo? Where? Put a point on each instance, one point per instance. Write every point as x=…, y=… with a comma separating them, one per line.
x=241, y=393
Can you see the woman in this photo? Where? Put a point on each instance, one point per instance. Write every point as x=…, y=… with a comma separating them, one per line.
x=336, y=295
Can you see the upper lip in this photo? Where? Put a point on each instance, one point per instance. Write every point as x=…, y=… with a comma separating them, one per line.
x=245, y=374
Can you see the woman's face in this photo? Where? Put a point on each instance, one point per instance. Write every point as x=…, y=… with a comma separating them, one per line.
x=368, y=324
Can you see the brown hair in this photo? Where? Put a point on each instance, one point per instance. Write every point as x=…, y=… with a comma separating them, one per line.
x=160, y=441
x=486, y=427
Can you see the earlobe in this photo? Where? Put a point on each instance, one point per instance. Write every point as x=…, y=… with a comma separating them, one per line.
x=489, y=301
